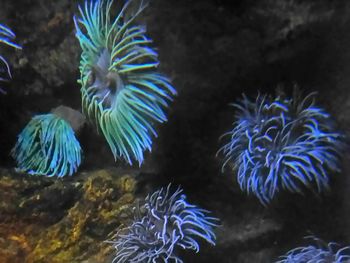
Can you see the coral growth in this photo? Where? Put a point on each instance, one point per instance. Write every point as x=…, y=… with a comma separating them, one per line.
x=163, y=224
x=6, y=37
x=282, y=143
x=122, y=92
x=47, y=146
x=319, y=253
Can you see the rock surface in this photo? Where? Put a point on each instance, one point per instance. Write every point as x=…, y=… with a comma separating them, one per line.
x=50, y=220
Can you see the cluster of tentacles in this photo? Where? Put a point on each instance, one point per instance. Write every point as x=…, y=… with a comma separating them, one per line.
x=163, y=224
x=321, y=252
x=122, y=92
x=7, y=38
x=47, y=146
x=281, y=143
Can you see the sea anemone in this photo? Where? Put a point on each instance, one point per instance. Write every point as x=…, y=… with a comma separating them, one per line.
x=319, y=253
x=163, y=224
x=280, y=142
x=122, y=92
x=6, y=37
x=47, y=146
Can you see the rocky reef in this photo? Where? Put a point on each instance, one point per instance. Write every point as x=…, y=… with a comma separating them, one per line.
x=49, y=220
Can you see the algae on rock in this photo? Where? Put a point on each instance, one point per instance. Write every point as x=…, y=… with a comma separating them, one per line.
x=50, y=220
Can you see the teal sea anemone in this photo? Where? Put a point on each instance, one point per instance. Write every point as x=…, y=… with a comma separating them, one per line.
x=47, y=146
x=6, y=38
x=122, y=91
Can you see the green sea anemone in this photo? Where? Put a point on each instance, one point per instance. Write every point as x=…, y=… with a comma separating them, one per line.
x=122, y=91
x=47, y=146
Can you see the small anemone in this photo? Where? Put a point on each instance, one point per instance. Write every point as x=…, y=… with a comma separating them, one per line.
x=165, y=223
x=122, y=92
x=321, y=252
x=47, y=146
x=282, y=143
x=6, y=38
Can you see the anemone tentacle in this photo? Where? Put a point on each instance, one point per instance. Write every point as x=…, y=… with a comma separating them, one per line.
x=6, y=38
x=122, y=92
x=281, y=143
x=47, y=146
x=165, y=223
x=321, y=252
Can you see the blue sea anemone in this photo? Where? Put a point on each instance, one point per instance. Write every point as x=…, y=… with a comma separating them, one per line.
x=6, y=37
x=280, y=142
x=319, y=253
x=47, y=146
x=163, y=224
x=122, y=92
